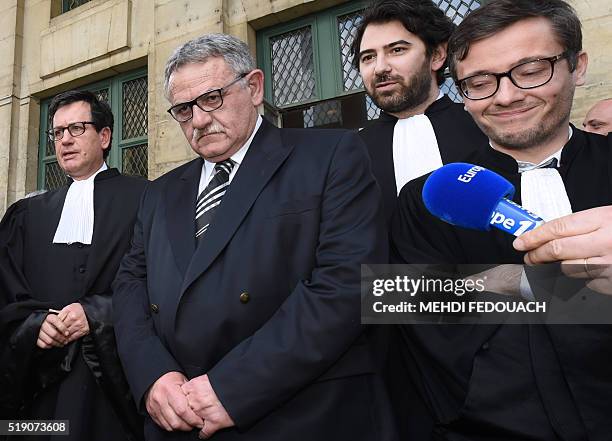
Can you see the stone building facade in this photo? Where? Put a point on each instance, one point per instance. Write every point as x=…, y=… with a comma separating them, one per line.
x=119, y=47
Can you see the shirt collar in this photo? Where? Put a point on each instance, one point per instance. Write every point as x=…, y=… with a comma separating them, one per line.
x=92, y=177
x=524, y=166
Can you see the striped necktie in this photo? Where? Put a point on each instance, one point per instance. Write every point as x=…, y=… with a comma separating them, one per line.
x=210, y=197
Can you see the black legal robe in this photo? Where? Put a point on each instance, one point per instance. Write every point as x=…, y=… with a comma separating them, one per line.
x=457, y=136
x=508, y=382
x=82, y=382
x=456, y=133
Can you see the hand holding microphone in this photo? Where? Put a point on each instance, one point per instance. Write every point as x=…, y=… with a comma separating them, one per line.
x=474, y=197
x=581, y=241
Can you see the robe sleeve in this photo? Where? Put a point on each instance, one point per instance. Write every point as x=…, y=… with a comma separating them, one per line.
x=13, y=285
x=20, y=321
x=416, y=235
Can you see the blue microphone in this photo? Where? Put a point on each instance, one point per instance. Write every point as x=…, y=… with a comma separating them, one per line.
x=474, y=197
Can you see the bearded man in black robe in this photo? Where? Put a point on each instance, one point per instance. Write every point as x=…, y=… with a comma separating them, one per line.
x=400, y=51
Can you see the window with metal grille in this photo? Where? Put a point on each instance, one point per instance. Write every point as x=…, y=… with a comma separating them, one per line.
x=69, y=5
x=127, y=96
x=310, y=80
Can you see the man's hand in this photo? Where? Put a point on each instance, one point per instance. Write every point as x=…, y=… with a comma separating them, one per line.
x=75, y=320
x=501, y=279
x=168, y=406
x=581, y=241
x=53, y=333
x=204, y=402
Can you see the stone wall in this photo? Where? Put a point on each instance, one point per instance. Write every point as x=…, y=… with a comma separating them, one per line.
x=596, y=18
x=43, y=55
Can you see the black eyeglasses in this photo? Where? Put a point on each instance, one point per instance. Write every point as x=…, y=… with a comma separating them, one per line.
x=528, y=75
x=208, y=102
x=75, y=129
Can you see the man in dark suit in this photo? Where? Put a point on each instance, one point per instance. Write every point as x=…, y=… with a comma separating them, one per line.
x=238, y=305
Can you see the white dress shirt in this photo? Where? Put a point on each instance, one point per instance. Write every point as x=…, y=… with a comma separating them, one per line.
x=237, y=158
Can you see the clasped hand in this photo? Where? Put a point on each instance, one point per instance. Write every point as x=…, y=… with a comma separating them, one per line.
x=175, y=403
x=68, y=325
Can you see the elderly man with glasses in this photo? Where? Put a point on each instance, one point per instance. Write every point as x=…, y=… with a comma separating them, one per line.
x=237, y=307
x=517, y=64
x=59, y=253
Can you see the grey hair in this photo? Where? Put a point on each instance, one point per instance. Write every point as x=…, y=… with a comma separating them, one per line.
x=234, y=51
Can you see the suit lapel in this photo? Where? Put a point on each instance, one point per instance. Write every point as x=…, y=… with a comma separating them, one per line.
x=264, y=157
x=180, y=198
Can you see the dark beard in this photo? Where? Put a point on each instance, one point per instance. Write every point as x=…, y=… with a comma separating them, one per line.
x=409, y=96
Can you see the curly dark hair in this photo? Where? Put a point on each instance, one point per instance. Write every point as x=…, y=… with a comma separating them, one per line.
x=420, y=17
x=101, y=114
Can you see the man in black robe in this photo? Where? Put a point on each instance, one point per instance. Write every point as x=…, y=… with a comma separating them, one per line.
x=400, y=51
x=59, y=252
x=517, y=64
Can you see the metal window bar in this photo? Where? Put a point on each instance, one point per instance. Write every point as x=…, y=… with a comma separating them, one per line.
x=347, y=26
x=135, y=108
x=69, y=5
x=135, y=160
x=293, y=78
x=134, y=127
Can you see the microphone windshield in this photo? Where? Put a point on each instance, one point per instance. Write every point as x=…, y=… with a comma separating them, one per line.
x=465, y=195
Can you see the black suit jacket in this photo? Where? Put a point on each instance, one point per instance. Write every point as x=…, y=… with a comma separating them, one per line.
x=293, y=362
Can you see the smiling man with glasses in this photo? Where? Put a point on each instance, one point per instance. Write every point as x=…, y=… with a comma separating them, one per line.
x=520, y=91
x=517, y=64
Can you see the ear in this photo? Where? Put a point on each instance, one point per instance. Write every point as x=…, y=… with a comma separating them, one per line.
x=581, y=68
x=105, y=137
x=438, y=57
x=256, y=86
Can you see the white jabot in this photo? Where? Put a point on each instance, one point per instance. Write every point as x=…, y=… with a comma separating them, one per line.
x=415, y=149
x=542, y=193
x=77, y=219
x=542, y=189
x=237, y=158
